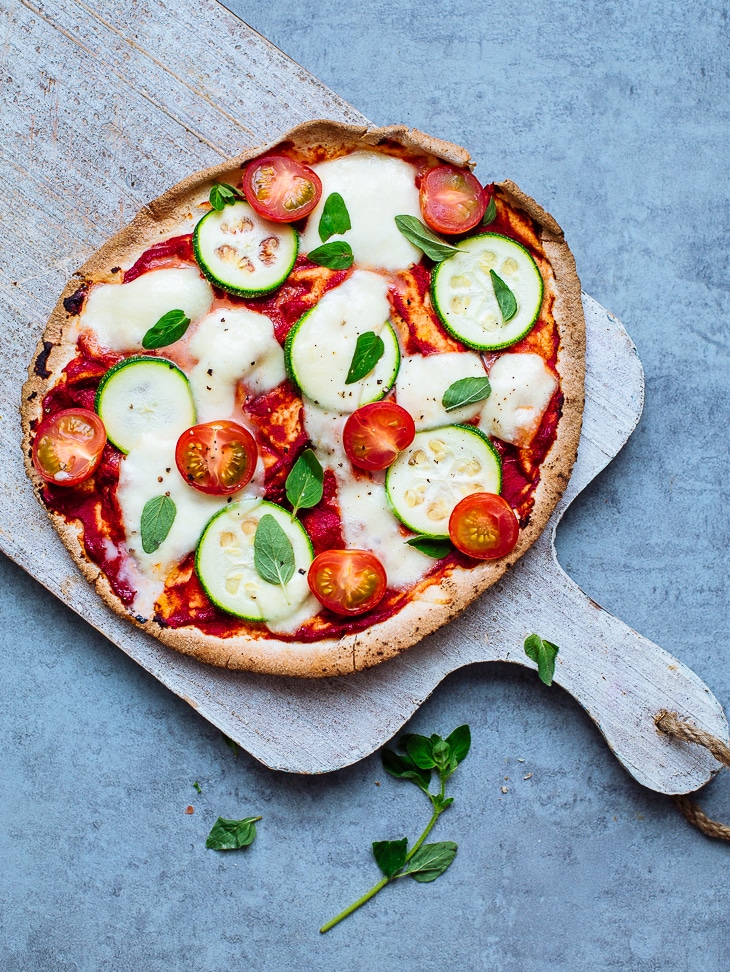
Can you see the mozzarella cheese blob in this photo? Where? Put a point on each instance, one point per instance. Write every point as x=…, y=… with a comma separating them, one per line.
x=121, y=314
x=376, y=188
x=522, y=386
x=423, y=380
x=233, y=345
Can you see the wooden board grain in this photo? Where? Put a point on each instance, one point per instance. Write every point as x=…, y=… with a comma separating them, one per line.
x=103, y=107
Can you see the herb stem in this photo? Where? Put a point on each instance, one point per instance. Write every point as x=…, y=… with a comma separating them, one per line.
x=355, y=905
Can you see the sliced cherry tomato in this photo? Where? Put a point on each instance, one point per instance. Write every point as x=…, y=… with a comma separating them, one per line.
x=483, y=526
x=217, y=457
x=347, y=581
x=452, y=200
x=281, y=189
x=68, y=446
x=374, y=434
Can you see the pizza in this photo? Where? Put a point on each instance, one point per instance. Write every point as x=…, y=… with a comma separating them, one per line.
x=312, y=401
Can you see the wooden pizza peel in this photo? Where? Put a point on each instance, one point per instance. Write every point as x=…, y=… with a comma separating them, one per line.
x=85, y=93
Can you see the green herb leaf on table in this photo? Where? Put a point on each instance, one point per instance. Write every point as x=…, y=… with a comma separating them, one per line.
x=431, y=547
x=158, y=515
x=334, y=256
x=431, y=860
x=421, y=236
x=170, y=328
x=466, y=391
x=222, y=195
x=273, y=554
x=368, y=351
x=305, y=482
x=420, y=749
x=198, y=787
x=335, y=219
x=390, y=855
x=543, y=653
x=402, y=767
x=460, y=742
x=232, y=834
x=505, y=297
x=490, y=213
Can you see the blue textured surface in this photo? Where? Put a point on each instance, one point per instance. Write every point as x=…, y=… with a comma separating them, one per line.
x=615, y=117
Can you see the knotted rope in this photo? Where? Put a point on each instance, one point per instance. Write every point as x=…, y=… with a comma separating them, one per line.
x=671, y=724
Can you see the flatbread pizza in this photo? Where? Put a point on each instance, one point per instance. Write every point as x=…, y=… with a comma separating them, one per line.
x=312, y=401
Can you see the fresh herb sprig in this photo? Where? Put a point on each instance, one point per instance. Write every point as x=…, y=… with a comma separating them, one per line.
x=222, y=195
x=273, y=554
x=419, y=757
x=543, y=653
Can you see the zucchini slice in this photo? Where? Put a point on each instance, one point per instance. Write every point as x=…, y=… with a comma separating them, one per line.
x=225, y=565
x=242, y=252
x=439, y=468
x=144, y=395
x=464, y=296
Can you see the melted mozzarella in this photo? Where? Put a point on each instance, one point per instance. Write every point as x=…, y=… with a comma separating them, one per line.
x=522, y=386
x=369, y=524
x=121, y=314
x=423, y=379
x=376, y=188
x=231, y=346
x=325, y=429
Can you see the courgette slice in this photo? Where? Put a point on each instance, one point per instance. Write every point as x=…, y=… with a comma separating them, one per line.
x=464, y=296
x=144, y=395
x=439, y=468
x=243, y=253
x=225, y=564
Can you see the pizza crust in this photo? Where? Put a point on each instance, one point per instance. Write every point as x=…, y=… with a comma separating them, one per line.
x=433, y=605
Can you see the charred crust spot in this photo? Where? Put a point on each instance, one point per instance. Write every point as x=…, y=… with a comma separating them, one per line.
x=42, y=360
x=75, y=302
x=116, y=270
x=32, y=396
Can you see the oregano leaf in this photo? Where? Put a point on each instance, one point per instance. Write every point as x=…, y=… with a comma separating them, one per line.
x=543, y=653
x=466, y=391
x=431, y=547
x=368, y=351
x=335, y=219
x=505, y=298
x=273, y=554
x=421, y=236
x=420, y=749
x=490, y=213
x=390, y=855
x=222, y=195
x=334, y=256
x=232, y=834
x=431, y=860
x=305, y=482
x=170, y=328
x=460, y=742
x=158, y=515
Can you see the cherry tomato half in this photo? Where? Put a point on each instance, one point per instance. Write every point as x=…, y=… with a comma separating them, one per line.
x=216, y=457
x=483, y=526
x=281, y=189
x=68, y=446
x=374, y=434
x=347, y=581
x=452, y=200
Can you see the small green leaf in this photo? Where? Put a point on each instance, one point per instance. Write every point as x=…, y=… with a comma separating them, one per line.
x=432, y=548
x=505, y=297
x=158, y=516
x=460, y=742
x=170, y=328
x=222, y=195
x=334, y=256
x=273, y=554
x=431, y=860
x=198, y=786
x=335, y=219
x=441, y=803
x=421, y=236
x=442, y=754
x=304, y=484
x=390, y=855
x=231, y=743
x=543, y=654
x=402, y=767
x=232, y=834
x=466, y=391
x=420, y=749
x=368, y=351
x=490, y=214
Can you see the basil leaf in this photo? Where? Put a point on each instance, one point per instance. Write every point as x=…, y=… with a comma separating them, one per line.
x=421, y=236
x=368, y=351
x=432, y=548
x=431, y=860
x=158, y=516
x=304, y=484
x=420, y=749
x=490, y=214
x=232, y=834
x=460, y=742
x=170, y=328
x=505, y=297
x=334, y=256
x=543, y=654
x=273, y=554
x=222, y=195
x=335, y=219
x=402, y=767
x=390, y=855
x=466, y=391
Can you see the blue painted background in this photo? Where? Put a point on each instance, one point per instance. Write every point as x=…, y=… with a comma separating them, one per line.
x=615, y=117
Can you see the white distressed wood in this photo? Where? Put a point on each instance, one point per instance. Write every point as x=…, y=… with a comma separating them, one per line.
x=103, y=107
